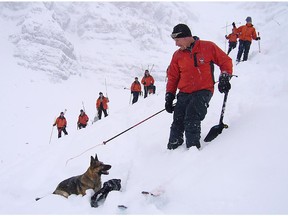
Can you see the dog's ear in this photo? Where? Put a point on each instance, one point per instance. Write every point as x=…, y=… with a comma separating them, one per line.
x=96, y=158
x=91, y=160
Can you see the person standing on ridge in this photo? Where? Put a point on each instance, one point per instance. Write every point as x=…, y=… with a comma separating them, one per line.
x=61, y=124
x=102, y=105
x=232, y=39
x=148, y=82
x=246, y=33
x=191, y=71
x=135, y=90
x=82, y=119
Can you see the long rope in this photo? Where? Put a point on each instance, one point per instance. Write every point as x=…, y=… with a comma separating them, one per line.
x=82, y=153
x=105, y=142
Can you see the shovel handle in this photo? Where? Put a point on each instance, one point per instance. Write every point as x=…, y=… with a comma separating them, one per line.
x=223, y=108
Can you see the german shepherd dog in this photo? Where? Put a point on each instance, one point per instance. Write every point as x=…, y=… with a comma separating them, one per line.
x=91, y=179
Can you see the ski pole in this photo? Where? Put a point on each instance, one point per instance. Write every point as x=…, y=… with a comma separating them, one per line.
x=231, y=24
x=151, y=68
x=130, y=99
x=106, y=88
x=51, y=134
x=259, y=43
x=106, y=94
x=52, y=130
x=225, y=37
x=83, y=106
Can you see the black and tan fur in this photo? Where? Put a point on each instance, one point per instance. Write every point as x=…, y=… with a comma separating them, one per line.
x=91, y=179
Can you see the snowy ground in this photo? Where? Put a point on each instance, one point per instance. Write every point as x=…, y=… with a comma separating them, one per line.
x=243, y=171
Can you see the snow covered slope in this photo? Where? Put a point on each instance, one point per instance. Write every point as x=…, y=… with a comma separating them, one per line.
x=58, y=56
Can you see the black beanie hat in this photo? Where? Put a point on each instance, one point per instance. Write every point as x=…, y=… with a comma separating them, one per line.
x=181, y=31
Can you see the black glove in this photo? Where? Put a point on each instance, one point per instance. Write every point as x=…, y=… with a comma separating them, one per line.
x=144, y=83
x=169, y=97
x=258, y=38
x=224, y=85
x=233, y=24
x=132, y=92
x=112, y=184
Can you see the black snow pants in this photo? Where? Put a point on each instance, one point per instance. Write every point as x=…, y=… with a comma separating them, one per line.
x=189, y=111
x=244, y=46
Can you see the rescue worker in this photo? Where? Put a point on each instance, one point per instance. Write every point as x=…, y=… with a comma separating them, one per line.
x=232, y=39
x=191, y=71
x=246, y=33
x=102, y=105
x=148, y=83
x=61, y=124
x=135, y=90
x=82, y=119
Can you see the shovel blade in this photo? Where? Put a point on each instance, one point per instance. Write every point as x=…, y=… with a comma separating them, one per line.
x=214, y=132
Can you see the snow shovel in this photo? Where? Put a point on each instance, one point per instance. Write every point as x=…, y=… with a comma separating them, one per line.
x=217, y=129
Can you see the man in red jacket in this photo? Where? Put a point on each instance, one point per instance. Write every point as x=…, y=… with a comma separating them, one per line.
x=191, y=71
x=102, y=105
x=61, y=124
x=148, y=83
x=135, y=90
x=246, y=34
x=232, y=38
x=82, y=119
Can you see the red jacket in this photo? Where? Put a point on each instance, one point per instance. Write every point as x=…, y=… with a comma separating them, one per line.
x=136, y=86
x=104, y=101
x=233, y=36
x=148, y=80
x=189, y=76
x=60, y=122
x=247, y=32
x=83, y=119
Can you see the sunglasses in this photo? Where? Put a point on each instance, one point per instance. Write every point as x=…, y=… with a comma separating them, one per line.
x=174, y=35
